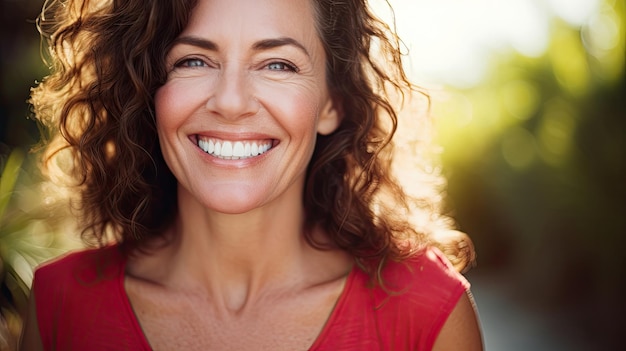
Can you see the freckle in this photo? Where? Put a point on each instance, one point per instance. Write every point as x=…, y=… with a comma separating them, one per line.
x=421, y=268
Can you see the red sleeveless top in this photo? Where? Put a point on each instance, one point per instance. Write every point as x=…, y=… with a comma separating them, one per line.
x=82, y=305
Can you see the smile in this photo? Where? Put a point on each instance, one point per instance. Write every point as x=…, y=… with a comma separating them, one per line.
x=234, y=150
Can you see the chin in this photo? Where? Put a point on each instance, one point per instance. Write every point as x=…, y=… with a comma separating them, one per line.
x=230, y=202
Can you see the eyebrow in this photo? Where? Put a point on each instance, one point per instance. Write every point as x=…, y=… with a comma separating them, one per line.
x=278, y=42
x=260, y=45
x=195, y=41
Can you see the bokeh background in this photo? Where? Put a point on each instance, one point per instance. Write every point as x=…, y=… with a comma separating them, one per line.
x=529, y=102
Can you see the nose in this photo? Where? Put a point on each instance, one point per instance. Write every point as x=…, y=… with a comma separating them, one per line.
x=232, y=96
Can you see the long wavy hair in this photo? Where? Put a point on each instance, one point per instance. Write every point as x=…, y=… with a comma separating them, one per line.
x=107, y=59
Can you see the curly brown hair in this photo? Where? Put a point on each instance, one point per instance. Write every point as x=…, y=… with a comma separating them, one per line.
x=108, y=59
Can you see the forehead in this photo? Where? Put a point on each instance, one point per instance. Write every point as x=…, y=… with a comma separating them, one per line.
x=234, y=19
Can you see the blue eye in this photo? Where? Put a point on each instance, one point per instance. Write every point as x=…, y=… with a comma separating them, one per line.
x=191, y=62
x=281, y=66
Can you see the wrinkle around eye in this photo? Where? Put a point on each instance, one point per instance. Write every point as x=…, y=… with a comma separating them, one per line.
x=192, y=62
x=281, y=66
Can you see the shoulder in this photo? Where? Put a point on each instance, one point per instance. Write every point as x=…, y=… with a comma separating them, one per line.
x=426, y=272
x=461, y=329
x=79, y=267
x=418, y=296
x=80, y=257
x=77, y=276
x=76, y=293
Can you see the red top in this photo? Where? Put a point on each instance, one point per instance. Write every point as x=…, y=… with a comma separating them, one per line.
x=82, y=305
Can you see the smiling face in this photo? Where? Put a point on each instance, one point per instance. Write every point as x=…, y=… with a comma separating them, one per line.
x=245, y=97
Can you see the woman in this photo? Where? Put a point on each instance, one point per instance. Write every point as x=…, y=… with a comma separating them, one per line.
x=232, y=157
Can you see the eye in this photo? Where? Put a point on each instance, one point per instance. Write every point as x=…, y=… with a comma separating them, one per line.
x=281, y=66
x=190, y=63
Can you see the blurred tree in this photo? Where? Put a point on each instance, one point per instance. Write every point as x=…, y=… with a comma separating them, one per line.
x=29, y=219
x=535, y=157
x=20, y=65
x=536, y=162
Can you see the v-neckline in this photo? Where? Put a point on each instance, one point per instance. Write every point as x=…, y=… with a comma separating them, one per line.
x=318, y=342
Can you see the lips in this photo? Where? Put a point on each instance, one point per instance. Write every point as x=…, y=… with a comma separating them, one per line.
x=234, y=150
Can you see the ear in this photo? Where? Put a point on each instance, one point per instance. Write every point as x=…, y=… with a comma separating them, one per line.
x=331, y=116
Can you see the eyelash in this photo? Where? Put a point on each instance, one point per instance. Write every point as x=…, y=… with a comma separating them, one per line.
x=198, y=62
x=184, y=63
x=288, y=67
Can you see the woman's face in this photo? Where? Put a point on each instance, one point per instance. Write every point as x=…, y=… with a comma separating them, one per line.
x=245, y=97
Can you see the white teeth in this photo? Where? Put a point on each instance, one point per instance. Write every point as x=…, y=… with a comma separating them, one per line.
x=234, y=150
x=238, y=150
x=227, y=149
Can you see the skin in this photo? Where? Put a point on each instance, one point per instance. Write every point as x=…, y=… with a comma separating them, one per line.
x=461, y=330
x=243, y=75
x=235, y=272
x=237, y=264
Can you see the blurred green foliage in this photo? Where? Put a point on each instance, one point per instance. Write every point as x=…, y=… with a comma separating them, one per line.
x=32, y=229
x=535, y=157
x=20, y=67
x=31, y=221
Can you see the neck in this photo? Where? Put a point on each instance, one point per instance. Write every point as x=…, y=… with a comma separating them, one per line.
x=245, y=241
x=236, y=258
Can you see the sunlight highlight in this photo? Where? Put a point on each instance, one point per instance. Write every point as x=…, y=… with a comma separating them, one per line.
x=451, y=41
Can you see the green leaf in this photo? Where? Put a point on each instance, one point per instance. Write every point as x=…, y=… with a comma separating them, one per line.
x=8, y=178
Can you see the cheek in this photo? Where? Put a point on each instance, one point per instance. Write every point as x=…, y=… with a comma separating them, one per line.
x=172, y=109
x=175, y=101
x=295, y=107
x=165, y=106
x=166, y=120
